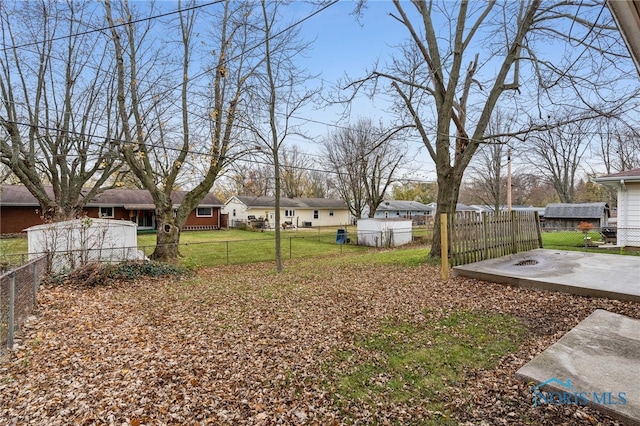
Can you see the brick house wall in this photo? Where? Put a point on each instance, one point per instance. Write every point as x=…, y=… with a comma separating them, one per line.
x=203, y=222
x=14, y=219
x=19, y=209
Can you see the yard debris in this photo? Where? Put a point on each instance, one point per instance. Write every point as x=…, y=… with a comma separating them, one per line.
x=240, y=345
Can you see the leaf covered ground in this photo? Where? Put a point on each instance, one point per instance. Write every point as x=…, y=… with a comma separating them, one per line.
x=240, y=345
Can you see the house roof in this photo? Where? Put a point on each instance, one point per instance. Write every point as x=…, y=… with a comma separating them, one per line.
x=626, y=176
x=520, y=208
x=133, y=199
x=393, y=205
x=576, y=211
x=300, y=203
x=464, y=208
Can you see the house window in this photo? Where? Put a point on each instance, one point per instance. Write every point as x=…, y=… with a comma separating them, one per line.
x=331, y=213
x=316, y=214
x=289, y=213
x=106, y=212
x=204, y=212
x=145, y=219
x=234, y=212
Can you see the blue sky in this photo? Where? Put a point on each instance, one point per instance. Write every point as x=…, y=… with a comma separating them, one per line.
x=344, y=43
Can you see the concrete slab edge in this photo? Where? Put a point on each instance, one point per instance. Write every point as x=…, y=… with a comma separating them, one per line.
x=545, y=286
x=615, y=414
x=601, y=325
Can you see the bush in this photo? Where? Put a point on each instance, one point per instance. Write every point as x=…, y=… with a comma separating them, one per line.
x=133, y=270
x=94, y=274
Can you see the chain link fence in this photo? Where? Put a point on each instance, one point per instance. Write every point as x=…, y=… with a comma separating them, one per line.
x=318, y=244
x=18, y=290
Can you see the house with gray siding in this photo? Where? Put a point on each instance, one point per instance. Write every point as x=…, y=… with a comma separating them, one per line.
x=404, y=209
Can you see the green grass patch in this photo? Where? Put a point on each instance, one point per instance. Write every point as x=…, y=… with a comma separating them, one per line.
x=574, y=241
x=211, y=248
x=13, y=251
x=418, y=362
x=240, y=247
x=407, y=256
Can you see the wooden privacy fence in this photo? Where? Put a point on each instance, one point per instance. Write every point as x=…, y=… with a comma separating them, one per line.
x=480, y=236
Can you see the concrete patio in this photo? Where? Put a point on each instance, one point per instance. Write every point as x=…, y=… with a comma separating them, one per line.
x=586, y=274
x=597, y=363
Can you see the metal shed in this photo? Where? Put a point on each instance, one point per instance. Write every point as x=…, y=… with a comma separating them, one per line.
x=384, y=232
x=77, y=242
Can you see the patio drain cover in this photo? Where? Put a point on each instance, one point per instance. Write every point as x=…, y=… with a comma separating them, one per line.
x=527, y=262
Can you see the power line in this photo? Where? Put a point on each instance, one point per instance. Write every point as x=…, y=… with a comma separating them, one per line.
x=206, y=71
x=97, y=30
x=205, y=154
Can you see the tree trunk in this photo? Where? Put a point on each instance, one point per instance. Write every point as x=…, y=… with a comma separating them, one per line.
x=278, y=242
x=448, y=189
x=167, y=237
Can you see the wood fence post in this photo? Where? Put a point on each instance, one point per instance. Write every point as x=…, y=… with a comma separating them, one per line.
x=444, y=246
x=485, y=236
x=512, y=222
x=538, y=230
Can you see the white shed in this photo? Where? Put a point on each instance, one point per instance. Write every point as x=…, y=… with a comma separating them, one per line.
x=80, y=241
x=384, y=232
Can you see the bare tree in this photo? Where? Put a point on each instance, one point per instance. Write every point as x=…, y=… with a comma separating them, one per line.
x=557, y=154
x=294, y=172
x=7, y=176
x=528, y=188
x=489, y=176
x=365, y=159
x=321, y=184
x=56, y=114
x=618, y=146
x=166, y=125
x=250, y=178
x=280, y=91
x=488, y=169
x=449, y=92
x=422, y=192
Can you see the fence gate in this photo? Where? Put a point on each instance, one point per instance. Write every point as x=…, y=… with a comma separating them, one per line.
x=480, y=236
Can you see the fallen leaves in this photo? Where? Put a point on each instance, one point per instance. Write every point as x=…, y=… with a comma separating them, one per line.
x=240, y=345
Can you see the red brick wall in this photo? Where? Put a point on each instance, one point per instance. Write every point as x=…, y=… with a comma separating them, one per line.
x=193, y=220
x=14, y=219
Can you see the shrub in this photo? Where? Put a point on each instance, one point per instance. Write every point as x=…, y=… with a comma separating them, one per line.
x=133, y=270
x=94, y=274
x=585, y=227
